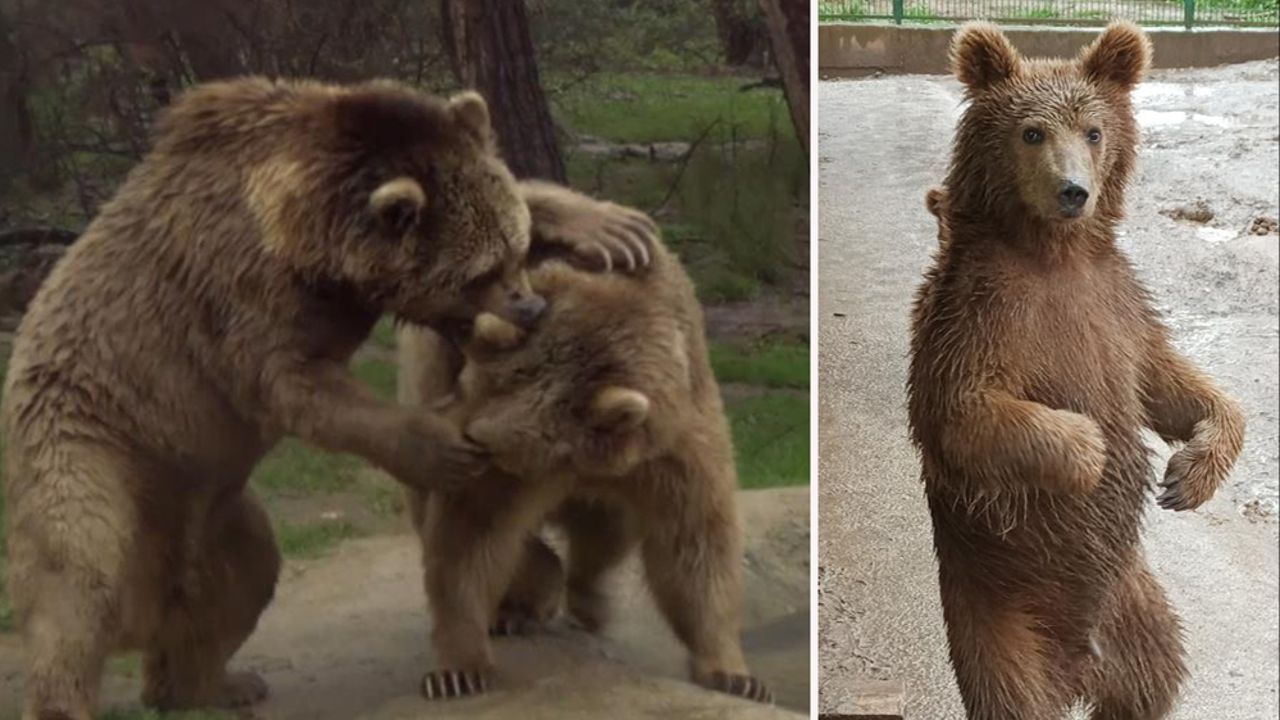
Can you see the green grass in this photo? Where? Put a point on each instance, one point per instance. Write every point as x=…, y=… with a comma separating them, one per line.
x=295, y=469
x=310, y=540
x=768, y=364
x=378, y=374
x=384, y=333
x=771, y=439
x=642, y=108
x=922, y=14
x=1246, y=6
x=1038, y=12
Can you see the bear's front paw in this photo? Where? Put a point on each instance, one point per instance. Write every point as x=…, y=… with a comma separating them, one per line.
x=242, y=689
x=609, y=236
x=1189, y=480
x=451, y=684
x=1085, y=456
x=746, y=687
x=434, y=455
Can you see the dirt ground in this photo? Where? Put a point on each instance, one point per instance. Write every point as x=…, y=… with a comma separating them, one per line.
x=1209, y=135
x=346, y=637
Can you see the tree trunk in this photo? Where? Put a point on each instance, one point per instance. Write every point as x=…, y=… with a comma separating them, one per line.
x=17, y=134
x=789, y=35
x=491, y=50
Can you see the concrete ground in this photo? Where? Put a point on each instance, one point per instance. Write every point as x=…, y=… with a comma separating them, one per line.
x=1207, y=134
x=346, y=637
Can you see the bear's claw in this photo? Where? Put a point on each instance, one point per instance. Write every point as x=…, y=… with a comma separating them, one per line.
x=451, y=684
x=743, y=686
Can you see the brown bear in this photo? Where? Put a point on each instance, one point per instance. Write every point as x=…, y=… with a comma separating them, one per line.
x=606, y=419
x=208, y=310
x=1036, y=361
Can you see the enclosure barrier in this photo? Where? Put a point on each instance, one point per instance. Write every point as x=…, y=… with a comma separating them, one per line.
x=1187, y=13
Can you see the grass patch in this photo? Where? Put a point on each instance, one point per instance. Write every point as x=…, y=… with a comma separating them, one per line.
x=770, y=364
x=1251, y=7
x=310, y=540
x=736, y=227
x=295, y=469
x=771, y=439
x=6, y=605
x=126, y=665
x=642, y=108
x=384, y=333
x=379, y=375
x=1038, y=12
x=741, y=200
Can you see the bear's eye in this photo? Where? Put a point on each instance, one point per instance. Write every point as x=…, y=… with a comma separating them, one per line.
x=1094, y=136
x=1032, y=136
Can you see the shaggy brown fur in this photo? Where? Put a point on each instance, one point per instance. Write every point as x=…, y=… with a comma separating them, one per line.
x=607, y=420
x=210, y=309
x=1037, y=359
x=935, y=201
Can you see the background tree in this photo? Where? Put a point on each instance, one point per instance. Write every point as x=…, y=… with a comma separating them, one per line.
x=492, y=51
x=789, y=36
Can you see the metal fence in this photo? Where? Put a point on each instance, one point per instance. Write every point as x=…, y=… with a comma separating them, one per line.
x=1187, y=13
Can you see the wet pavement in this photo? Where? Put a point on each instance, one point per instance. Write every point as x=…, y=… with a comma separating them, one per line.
x=1209, y=135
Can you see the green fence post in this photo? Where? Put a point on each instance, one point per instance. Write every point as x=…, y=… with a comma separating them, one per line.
x=897, y=11
x=1189, y=13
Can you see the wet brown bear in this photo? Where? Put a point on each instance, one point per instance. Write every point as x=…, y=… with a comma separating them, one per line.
x=1037, y=359
x=607, y=420
x=209, y=309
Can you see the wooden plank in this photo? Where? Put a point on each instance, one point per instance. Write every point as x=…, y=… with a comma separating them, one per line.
x=870, y=700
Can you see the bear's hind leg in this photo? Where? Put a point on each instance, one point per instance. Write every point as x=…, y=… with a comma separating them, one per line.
x=472, y=546
x=71, y=538
x=600, y=536
x=1006, y=667
x=693, y=560
x=535, y=593
x=218, y=600
x=1140, y=642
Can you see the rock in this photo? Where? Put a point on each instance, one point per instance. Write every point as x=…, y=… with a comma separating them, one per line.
x=1263, y=225
x=1197, y=212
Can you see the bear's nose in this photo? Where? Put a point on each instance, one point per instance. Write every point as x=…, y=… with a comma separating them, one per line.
x=1072, y=196
x=527, y=310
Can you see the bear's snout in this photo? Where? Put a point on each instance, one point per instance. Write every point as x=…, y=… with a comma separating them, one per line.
x=525, y=310
x=1072, y=197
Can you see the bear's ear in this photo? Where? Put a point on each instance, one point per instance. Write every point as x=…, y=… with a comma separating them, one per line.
x=470, y=109
x=619, y=408
x=934, y=200
x=981, y=56
x=397, y=204
x=1122, y=55
x=494, y=333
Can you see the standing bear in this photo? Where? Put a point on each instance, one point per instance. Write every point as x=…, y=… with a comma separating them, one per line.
x=606, y=419
x=1036, y=361
x=209, y=310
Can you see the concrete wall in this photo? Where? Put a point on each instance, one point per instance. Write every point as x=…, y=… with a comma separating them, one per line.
x=846, y=50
